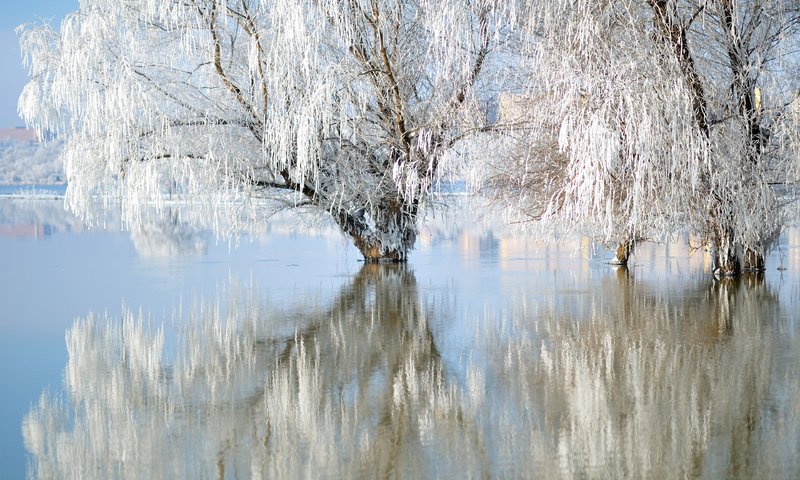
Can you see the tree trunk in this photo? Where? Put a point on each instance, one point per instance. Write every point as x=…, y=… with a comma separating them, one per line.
x=726, y=256
x=384, y=234
x=753, y=261
x=623, y=252
x=727, y=263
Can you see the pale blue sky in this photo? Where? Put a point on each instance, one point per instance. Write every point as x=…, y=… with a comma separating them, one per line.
x=12, y=75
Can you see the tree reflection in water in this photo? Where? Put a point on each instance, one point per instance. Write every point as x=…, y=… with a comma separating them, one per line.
x=642, y=384
x=625, y=381
x=167, y=235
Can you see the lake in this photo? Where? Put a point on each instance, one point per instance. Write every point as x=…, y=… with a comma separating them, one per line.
x=164, y=352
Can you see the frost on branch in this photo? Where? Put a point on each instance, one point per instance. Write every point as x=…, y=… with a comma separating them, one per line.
x=241, y=108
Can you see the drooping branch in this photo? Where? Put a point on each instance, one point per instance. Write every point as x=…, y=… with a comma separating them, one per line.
x=226, y=80
x=743, y=86
x=673, y=33
x=399, y=116
x=167, y=93
x=480, y=57
x=252, y=30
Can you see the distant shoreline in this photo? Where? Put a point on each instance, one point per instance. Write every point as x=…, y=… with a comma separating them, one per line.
x=33, y=191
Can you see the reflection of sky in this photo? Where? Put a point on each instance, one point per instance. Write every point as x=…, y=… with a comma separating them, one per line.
x=45, y=285
x=33, y=230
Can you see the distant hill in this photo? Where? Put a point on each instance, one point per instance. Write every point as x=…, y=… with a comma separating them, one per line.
x=26, y=161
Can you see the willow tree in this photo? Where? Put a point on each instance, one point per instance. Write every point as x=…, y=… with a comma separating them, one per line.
x=596, y=149
x=345, y=106
x=647, y=117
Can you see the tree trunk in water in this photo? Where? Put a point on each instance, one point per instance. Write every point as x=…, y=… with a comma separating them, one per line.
x=623, y=252
x=753, y=261
x=726, y=259
x=385, y=234
x=376, y=251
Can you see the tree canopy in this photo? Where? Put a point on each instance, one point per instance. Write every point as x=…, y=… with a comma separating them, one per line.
x=623, y=120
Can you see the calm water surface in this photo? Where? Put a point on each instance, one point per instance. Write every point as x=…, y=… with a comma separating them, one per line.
x=162, y=353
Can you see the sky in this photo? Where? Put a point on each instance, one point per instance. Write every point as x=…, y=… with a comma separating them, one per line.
x=13, y=75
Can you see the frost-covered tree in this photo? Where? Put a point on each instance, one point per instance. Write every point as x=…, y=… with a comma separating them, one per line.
x=649, y=116
x=597, y=149
x=744, y=75
x=348, y=106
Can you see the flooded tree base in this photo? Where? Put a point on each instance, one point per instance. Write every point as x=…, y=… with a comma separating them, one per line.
x=386, y=242
x=623, y=253
x=732, y=265
x=374, y=254
x=753, y=262
x=392, y=260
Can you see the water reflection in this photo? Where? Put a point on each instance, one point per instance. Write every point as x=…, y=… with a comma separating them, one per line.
x=630, y=380
x=641, y=381
x=354, y=388
x=167, y=236
x=35, y=218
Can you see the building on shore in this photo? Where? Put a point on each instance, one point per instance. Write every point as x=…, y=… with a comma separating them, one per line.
x=18, y=134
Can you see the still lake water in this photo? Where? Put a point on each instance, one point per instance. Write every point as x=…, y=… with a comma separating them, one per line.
x=162, y=353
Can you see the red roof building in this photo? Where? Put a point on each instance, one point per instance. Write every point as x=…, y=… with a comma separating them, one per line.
x=18, y=134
